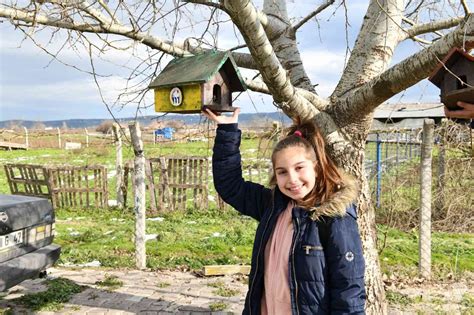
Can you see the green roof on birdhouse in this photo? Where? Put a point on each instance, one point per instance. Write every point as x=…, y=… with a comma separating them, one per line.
x=199, y=69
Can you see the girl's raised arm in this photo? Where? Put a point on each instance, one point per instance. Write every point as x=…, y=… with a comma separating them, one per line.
x=222, y=119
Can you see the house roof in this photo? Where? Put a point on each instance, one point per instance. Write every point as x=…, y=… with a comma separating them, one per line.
x=451, y=58
x=199, y=69
x=409, y=110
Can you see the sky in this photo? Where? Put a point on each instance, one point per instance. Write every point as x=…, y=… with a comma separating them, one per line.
x=34, y=86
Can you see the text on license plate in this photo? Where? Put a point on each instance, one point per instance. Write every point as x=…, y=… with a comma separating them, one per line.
x=11, y=239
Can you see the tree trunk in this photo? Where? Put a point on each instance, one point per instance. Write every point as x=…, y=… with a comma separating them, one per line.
x=354, y=164
x=139, y=189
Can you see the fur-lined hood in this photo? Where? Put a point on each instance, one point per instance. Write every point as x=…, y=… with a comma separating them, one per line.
x=337, y=205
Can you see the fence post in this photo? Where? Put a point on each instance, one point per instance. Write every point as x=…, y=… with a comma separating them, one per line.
x=425, y=209
x=139, y=188
x=87, y=137
x=379, y=170
x=118, y=164
x=26, y=137
x=59, y=137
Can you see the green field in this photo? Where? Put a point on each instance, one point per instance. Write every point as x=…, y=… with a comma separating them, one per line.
x=191, y=238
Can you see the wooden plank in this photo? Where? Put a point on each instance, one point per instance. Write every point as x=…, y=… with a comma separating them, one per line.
x=151, y=185
x=105, y=189
x=96, y=195
x=164, y=164
x=79, y=185
x=13, y=146
x=36, y=187
x=86, y=180
x=182, y=190
x=26, y=181
x=7, y=168
x=221, y=270
x=73, y=185
x=194, y=180
x=174, y=164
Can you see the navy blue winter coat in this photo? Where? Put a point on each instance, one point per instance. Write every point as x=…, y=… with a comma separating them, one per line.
x=326, y=264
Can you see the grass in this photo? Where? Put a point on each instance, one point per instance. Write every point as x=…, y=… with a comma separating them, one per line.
x=110, y=283
x=218, y=306
x=196, y=238
x=222, y=289
x=398, y=298
x=193, y=238
x=226, y=292
x=60, y=290
x=452, y=253
x=468, y=301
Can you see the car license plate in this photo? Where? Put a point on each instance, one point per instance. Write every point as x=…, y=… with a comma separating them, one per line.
x=11, y=239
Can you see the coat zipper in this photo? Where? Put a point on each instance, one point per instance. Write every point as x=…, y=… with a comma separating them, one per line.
x=293, y=264
x=307, y=248
x=258, y=256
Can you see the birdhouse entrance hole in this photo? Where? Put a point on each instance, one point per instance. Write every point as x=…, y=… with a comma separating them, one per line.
x=216, y=94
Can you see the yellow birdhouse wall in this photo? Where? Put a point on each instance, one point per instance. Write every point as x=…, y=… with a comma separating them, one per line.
x=192, y=99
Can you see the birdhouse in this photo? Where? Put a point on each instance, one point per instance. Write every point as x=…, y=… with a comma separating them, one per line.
x=455, y=78
x=188, y=84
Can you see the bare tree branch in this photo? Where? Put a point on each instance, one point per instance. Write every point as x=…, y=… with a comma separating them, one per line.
x=430, y=27
x=312, y=14
x=297, y=107
x=207, y=3
x=363, y=100
x=106, y=8
x=465, y=7
x=378, y=38
x=317, y=102
x=145, y=38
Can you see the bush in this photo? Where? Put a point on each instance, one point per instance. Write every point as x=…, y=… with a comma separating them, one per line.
x=105, y=127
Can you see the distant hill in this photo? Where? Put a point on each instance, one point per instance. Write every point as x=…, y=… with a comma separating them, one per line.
x=256, y=119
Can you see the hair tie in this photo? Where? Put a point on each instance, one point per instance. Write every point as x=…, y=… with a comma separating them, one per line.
x=298, y=134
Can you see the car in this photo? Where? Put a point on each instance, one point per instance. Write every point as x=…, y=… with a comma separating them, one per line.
x=26, y=236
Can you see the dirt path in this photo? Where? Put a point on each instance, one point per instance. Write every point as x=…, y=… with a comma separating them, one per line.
x=174, y=292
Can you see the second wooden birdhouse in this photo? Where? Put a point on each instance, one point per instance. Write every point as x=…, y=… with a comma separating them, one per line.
x=188, y=84
x=455, y=78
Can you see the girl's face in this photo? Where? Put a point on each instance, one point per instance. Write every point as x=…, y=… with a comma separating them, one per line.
x=294, y=170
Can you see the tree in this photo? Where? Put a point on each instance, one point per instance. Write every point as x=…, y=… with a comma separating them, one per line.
x=270, y=37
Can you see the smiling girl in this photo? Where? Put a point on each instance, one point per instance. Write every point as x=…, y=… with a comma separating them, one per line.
x=307, y=255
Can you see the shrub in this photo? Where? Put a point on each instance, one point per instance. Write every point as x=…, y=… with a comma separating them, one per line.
x=105, y=127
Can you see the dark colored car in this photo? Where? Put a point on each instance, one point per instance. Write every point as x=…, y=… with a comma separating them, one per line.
x=26, y=236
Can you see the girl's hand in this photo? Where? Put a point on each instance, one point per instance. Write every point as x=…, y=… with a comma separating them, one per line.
x=221, y=119
x=467, y=111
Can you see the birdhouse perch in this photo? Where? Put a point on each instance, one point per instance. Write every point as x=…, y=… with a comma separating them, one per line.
x=188, y=84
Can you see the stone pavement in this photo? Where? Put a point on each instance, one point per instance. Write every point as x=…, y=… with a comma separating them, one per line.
x=142, y=292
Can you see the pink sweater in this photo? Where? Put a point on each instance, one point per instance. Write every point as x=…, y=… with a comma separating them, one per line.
x=276, y=298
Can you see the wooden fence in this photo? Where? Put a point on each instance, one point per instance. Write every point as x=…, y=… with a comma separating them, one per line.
x=30, y=180
x=173, y=181
x=65, y=186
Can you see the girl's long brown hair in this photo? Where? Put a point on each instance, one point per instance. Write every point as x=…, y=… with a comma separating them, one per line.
x=328, y=177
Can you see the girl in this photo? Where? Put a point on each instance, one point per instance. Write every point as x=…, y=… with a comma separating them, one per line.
x=307, y=254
